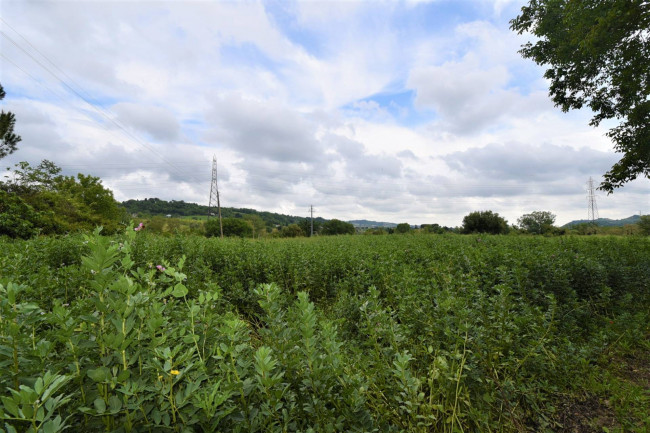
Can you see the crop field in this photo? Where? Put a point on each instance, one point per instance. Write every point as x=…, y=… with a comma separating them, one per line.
x=415, y=333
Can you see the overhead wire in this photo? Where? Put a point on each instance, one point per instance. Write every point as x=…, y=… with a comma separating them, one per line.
x=137, y=165
x=99, y=110
x=290, y=179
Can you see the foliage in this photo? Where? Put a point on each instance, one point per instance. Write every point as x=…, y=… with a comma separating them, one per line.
x=179, y=208
x=27, y=180
x=213, y=228
x=375, y=231
x=175, y=226
x=306, y=225
x=403, y=228
x=644, y=225
x=585, y=229
x=484, y=222
x=537, y=222
x=138, y=332
x=61, y=204
x=237, y=227
x=291, y=231
x=257, y=224
x=606, y=222
x=17, y=218
x=598, y=57
x=435, y=228
x=8, y=139
x=337, y=227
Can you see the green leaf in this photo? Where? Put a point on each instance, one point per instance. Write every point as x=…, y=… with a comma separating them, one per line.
x=11, y=406
x=115, y=404
x=99, y=375
x=100, y=405
x=179, y=290
x=124, y=375
x=50, y=427
x=38, y=386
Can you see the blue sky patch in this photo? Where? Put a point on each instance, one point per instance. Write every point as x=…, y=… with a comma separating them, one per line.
x=283, y=17
x=246, y=54
x=399, y=106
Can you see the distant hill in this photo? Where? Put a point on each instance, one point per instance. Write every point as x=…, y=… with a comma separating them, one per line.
x=370, y=224
x=606, y=222
x=179, y=208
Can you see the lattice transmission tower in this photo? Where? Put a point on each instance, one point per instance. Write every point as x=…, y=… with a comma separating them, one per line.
x=214, y=195
x=592, y=207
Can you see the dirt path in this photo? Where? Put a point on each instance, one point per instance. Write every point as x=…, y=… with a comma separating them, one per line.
x=595, y=414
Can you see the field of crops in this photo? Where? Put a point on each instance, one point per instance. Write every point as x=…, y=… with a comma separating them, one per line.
x=417, y=333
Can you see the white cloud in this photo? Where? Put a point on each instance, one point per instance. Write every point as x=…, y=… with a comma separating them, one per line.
x=158, y=122
x=287, y=100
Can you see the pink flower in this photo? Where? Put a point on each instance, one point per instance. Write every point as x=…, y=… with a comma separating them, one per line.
x=139, y=227
x=161, y=268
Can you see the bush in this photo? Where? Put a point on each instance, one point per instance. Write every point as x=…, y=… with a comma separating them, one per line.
x=403, y=228
x=231, y=227
x=644, y=224
x=17, y=218
x=212, y=228
x=484, y=222
x=291, y=231
x=337, y=227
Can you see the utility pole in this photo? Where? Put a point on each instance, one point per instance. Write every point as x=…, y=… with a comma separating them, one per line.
x=311, y=211
x=214, y=194
x=592, y=207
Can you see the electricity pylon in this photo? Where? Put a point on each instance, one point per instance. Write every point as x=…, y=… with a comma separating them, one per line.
x=592, y=207
x=214, y=195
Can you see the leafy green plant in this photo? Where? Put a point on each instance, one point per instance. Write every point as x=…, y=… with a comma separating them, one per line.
x=139, y=332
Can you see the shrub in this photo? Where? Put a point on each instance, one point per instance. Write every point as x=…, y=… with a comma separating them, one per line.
x=484, y=222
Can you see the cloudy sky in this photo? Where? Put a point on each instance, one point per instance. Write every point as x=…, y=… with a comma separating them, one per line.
x=408, y=111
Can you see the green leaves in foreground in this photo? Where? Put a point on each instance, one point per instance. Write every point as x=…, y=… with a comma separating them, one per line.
x=406, y=333
x=34, y=409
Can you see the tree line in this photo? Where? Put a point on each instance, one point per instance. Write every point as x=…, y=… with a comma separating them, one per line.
x=39, y=200
x=150, y=207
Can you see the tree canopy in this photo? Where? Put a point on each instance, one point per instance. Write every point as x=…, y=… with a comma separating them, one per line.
x=291, y=231
x=537, y=222
x=484, y=222
x=236, y=227
x=644, y=224
x=8, y=140
x=48, y=202
x=403, y=228
x=597, y=52
x=337, y=227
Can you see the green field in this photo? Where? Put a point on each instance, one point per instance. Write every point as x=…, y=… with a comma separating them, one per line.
x=418, y=333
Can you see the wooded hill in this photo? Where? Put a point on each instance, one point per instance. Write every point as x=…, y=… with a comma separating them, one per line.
x=606, y=222
x=178, y=208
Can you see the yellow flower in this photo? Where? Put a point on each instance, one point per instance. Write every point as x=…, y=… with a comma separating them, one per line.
x=174, y=372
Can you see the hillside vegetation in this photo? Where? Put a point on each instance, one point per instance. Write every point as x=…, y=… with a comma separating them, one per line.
x=606, y=222
x=149, y=207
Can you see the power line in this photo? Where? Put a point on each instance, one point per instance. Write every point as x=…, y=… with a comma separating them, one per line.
x=43, y=55
x=102, y=112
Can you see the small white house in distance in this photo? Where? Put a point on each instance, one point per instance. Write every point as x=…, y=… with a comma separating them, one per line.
x=168, y=216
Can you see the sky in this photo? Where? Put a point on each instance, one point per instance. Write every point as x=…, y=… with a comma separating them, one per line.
x=399, y=111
